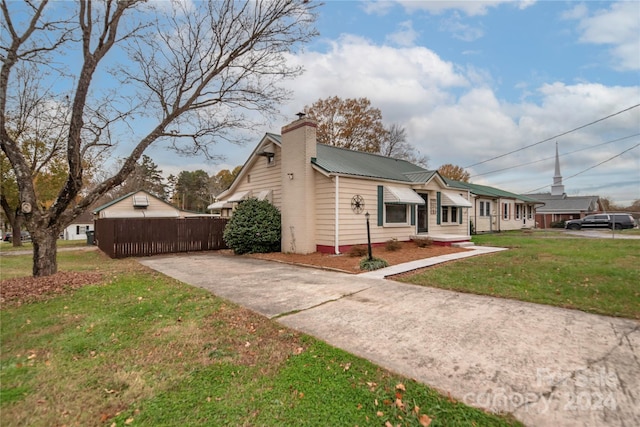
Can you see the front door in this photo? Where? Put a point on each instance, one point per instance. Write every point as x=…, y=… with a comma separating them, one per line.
x=423, y=217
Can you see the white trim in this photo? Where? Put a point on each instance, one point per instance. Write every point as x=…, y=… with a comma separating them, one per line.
x=337, y=208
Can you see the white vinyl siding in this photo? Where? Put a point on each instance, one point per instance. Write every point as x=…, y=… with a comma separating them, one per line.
x=263, y=177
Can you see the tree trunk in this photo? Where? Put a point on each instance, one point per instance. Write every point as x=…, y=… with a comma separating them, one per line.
x=16, y=225
x=45, y=246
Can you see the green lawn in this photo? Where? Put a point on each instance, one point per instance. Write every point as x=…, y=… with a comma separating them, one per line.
x=549, y=267
x=143, y=349
x=28, y=246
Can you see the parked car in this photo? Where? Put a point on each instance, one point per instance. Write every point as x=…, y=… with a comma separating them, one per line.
x=24, y=236
x=617, y=221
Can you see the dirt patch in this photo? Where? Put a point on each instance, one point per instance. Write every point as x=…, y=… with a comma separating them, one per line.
x=407, y=251
x=27, y=289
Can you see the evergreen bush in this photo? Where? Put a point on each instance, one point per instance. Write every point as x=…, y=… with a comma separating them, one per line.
x=254, y=228
x=372, y=264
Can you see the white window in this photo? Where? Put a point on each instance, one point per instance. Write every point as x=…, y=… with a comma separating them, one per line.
x=395, y=213
x=81, y=229
x=519, y=211
x=449, y=215
x=485, y=208
x=530, y=212
x=506, y=210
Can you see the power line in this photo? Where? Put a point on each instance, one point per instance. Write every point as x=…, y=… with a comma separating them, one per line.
x=555, y=136
x=589, y=168
x=553, y=157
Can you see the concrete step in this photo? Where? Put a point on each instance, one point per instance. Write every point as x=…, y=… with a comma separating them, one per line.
x=463, y=244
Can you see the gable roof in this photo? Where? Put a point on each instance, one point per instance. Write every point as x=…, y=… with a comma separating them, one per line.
x=485, y=190
x=335, y=160
x=566, y=204
x=119, y=199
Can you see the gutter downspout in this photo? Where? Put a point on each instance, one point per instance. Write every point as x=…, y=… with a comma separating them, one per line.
x=469, y=215
x=337, y=217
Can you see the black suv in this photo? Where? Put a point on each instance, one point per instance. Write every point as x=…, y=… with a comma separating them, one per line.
x=617, y=221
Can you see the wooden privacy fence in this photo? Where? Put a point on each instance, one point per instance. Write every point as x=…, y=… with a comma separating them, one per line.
x=128, y=237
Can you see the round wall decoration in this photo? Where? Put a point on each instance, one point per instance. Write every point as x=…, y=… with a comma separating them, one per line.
x=26, y=207
x=357, y=203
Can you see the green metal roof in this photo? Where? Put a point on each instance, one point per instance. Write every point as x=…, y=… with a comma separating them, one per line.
x=342, y=161
x=484, y=190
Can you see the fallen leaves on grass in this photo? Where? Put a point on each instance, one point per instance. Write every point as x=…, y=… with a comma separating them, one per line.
x=21, y=290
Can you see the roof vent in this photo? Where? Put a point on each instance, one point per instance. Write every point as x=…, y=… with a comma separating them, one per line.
x=140, y=201
x=300, y=115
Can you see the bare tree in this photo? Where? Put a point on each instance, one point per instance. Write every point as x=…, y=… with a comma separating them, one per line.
x=395, y=145
x=193, y=72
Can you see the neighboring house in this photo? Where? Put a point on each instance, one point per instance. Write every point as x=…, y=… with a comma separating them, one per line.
x=77, y=230
x=557, y=207
x=141, y=204
x=324, y=192
x=498, y=210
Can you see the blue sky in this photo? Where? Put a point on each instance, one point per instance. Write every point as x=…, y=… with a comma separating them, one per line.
x=472, y=80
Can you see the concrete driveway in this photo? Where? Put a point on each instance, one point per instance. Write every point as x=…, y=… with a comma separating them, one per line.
x=546, y=365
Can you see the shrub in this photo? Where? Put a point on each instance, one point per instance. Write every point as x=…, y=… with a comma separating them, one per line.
x=253, y=228
x=423, y=243
x=392, y=245
x=558, y=224
x=357, y=251
x=373, y=264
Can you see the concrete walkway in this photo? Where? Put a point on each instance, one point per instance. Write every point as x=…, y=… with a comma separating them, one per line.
x=428, y=262
x=546, y=365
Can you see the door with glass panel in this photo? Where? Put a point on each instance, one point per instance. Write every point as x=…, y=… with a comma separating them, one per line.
x=423, y=216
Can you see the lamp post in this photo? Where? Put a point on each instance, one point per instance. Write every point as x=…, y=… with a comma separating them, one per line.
x=366, y=215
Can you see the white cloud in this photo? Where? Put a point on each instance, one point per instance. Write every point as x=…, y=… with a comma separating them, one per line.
x=405, y=36
x=470, y=8
x=461, y=31
x=377, y=7
x=394, y=79
x=618, y=27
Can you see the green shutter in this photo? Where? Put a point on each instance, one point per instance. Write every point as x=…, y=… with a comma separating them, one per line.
x=438, y=208
x=380, y=204
x=413, y=214
x=460, y=214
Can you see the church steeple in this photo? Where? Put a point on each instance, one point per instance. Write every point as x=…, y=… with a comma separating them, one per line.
x=557, y=189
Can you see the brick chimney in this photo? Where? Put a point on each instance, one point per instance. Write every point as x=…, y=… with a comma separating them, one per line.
x=298, y=186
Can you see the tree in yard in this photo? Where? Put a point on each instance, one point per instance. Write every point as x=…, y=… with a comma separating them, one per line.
x=350, y=123
x=395, y=145
x=454, y=172
x=223, y=180
x=145, y=176
x=192, y=191
x=180, y=72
